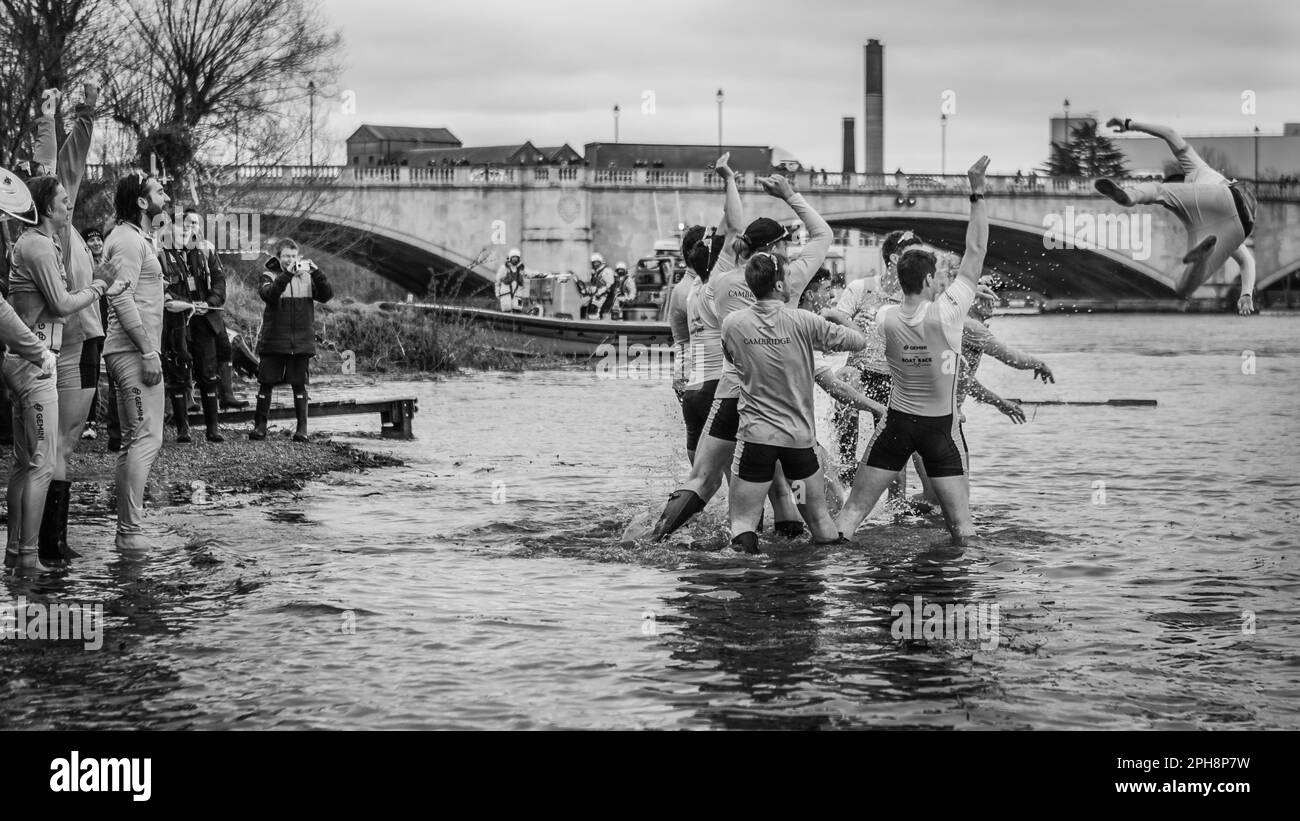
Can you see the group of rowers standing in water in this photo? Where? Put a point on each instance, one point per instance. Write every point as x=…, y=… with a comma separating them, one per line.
x=751, y=323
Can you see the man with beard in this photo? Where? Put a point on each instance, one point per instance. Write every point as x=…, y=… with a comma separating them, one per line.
x=134, y=345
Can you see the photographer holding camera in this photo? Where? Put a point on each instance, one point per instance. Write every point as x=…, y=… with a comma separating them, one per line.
x=290, y=287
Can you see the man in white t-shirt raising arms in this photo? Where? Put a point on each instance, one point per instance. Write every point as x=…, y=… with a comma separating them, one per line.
x=923, y=346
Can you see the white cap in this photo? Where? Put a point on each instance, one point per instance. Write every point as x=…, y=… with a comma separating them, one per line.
x=597, y=258
x=620, y=266
x=514, y=252
x=16, y=199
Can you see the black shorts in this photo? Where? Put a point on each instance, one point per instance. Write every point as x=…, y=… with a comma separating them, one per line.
x=277, y=369
x=1244, y=200
x=936, y=438
x=724, y=419
x=757, y=463
x=696, y=404
x=91, y=353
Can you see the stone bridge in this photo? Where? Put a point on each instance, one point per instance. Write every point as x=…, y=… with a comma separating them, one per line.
x=443, y=229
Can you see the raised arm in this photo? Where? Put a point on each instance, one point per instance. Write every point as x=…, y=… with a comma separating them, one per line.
x=45, y=149
x=733, y=212
x=273, y=285
x=1171, y=138
x=798, y=272
x=76, y=147
x=321, y=290
x=977, y=230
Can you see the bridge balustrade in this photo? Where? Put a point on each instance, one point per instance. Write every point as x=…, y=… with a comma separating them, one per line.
x=814, y=181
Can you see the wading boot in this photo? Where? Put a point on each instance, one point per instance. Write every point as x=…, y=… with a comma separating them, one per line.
x=260, y=415
x=53, y=539
x=211, y=416
x=180, y=417
x=300, y=410
x=228, y=397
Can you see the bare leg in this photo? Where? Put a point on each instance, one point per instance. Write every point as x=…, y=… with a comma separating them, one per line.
x=745, y=504
x=712, y=459
x=784, y=504
x=927, y=489
x=74, y=408
x=954, y=497
x=897, y=488
x=868, y=485
x=834, y=487
x=819, y=519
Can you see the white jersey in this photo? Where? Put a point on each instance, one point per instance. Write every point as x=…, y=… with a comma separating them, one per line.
x=706, y=335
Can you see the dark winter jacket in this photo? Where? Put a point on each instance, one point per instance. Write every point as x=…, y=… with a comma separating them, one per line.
x=288, y=321
x=207, y=283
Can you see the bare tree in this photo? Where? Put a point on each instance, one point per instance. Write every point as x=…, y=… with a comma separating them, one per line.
x=45, y=44
x=199, y=75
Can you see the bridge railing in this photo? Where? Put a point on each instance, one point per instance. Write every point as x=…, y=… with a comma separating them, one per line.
x=904, y=185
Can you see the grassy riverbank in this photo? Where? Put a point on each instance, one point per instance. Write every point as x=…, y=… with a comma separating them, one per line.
x=383, y=341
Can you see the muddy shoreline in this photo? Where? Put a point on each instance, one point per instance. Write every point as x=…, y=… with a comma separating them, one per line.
x=201, y=470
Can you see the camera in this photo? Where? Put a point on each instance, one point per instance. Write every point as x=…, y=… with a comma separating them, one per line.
x=303, y=266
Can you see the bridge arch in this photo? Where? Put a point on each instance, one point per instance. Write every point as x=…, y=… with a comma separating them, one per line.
x=413, y=262
x=1017, y=253
x=1277, y=276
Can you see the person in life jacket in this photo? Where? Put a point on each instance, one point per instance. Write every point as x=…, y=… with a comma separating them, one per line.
x=622, y=290
x=511, y=286
x=595, y=289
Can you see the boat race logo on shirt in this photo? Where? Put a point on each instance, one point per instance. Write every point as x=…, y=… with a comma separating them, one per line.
x=949, y=622
x=1090, y=232
x=634, y=361
x=227, y=233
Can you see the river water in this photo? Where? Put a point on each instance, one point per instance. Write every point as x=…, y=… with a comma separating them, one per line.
x=484, y=586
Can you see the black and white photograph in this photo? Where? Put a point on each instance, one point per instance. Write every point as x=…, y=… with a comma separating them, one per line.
x=673, y=366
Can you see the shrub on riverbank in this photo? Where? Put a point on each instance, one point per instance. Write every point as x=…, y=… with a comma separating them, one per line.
x=382, y=340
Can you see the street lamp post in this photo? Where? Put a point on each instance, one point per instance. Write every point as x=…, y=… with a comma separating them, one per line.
x=943, y=144
x=311, y=124
x=1067, y=122
x=720, y=97
x=616, y=122
x=1256, y=162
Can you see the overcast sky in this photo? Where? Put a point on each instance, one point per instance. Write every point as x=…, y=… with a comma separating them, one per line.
x=498, y=72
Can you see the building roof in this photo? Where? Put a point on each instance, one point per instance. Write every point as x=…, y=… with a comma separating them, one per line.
x=756, y=158
x=405, y=133
x=557, y=153
x=475, y=155
x=524, y=154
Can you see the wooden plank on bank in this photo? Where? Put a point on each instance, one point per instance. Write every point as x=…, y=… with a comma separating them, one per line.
x=395, y=415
